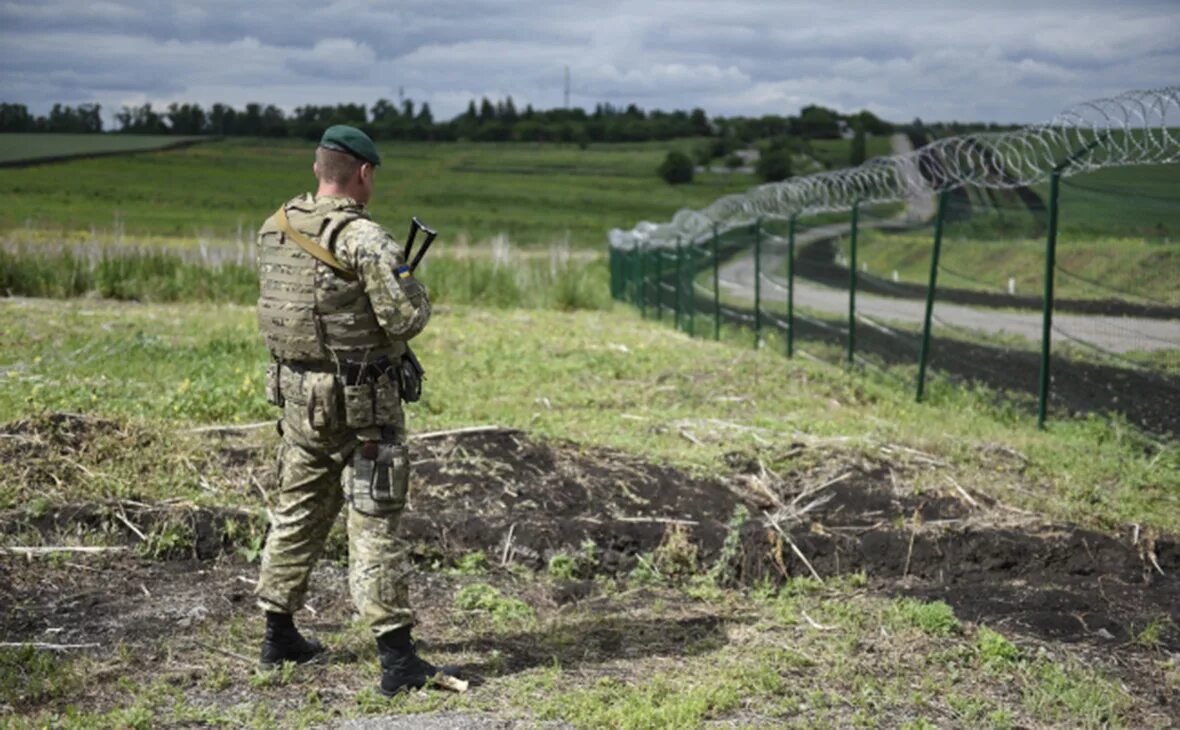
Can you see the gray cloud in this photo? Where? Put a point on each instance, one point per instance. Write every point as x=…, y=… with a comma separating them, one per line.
x=1002, y=61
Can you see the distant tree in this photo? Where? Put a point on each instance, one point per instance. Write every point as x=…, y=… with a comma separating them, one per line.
x=872, y=124
x=16, y=118
x=774, y=165
x=186, y=118
x=858, y=153
x=677, y=168
x=733, y=161
x=487, y=112
x=140, y=120
x=817, y=122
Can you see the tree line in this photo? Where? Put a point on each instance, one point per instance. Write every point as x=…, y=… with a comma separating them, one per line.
x=487, y=120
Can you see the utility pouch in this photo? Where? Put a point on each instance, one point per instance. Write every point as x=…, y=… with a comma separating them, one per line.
x=320, y=389
x=274, y=393
x=409, y=377
x=359, y=405
x=379, y=478
x=387, y=401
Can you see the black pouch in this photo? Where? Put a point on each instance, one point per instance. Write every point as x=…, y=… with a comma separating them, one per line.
x=379, y=478
x=409, y=376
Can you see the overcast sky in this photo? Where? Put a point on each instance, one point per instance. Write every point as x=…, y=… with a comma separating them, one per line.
x=996, y=61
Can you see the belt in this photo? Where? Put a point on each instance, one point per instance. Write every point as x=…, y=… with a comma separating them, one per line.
x=352, y=373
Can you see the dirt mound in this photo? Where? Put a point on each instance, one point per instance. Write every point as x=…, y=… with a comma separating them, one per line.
x=520, y=501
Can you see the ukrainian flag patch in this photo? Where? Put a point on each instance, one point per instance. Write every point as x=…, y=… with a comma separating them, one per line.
x=403, y=272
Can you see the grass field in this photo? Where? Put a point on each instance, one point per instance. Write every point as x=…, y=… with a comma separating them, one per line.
x=662, y=647
x=570, y=376
x=16, y=148
x=1128, y=268
x=834, y=153
x=534, y=194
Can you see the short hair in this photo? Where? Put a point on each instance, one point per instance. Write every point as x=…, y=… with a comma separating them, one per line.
x=336, y=167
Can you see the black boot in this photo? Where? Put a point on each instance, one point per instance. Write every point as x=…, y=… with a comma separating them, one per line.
x=284, y=643
x=401, y=667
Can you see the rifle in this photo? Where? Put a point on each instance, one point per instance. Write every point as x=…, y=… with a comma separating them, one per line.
x=409, y=370
x=415, y=226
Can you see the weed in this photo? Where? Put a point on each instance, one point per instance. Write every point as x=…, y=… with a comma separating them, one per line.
x=995, y=652
x=217, y=680
x=581, y=564
x=168, y=539
x=562, y=566
x=676, y=555
x=472, y=563
x=28, y=675
x=1150, y=636
x=1081, y=696
x=724, y=570
x=502, y=610
x=933, y=618
x=645, y=571
x=277, y=677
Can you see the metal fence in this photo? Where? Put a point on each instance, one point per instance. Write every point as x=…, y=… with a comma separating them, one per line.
x=901, y=269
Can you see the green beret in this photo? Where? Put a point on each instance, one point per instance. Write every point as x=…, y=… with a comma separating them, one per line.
x=343, y=138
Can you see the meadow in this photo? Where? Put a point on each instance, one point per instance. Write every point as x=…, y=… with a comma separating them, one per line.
x=16, y=148
x=535, y=194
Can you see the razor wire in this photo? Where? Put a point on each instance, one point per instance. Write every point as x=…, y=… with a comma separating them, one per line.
x=1129, y=129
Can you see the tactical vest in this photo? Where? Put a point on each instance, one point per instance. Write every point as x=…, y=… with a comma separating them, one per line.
x=309, y=313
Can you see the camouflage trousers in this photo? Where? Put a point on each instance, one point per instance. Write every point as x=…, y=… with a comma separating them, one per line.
x=319, y=471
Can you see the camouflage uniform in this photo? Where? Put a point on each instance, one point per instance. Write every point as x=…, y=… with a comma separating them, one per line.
x=343, y=434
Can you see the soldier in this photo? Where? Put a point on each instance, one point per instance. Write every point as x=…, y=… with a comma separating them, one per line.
x=336, y=308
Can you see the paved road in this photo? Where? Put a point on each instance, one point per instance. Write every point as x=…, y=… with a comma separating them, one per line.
x=1115, y=334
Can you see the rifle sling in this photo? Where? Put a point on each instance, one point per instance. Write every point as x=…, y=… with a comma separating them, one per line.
x=311, y=247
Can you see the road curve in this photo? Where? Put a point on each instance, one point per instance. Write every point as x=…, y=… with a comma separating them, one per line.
x=1114, y=334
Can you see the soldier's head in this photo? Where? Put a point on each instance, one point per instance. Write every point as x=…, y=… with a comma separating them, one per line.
x=345, y=162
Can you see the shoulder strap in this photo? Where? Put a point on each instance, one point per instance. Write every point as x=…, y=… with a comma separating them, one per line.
x=311, y=247
x=337, y=224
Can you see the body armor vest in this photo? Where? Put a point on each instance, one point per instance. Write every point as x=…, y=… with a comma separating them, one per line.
x=308, y=312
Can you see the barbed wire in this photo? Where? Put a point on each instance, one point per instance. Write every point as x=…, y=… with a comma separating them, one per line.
x=1129, y=129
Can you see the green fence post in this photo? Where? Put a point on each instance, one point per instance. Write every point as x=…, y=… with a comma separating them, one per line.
x=659, y=253
x=757, y=283
x=614, y=273
x=1047, y=317
x=633, y=276
x=716, y=287
x=641, y=286
x=791, y=287
x=852, y=284
x=679, y=302
x=692, y=290
x=924, y=355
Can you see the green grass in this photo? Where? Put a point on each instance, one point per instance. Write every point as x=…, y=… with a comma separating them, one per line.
x=596, y=377
x=499, y=277
x=532, y=193
x=18, y=147
x=1138, y=200
x=835, y=153
x=1124, y=268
